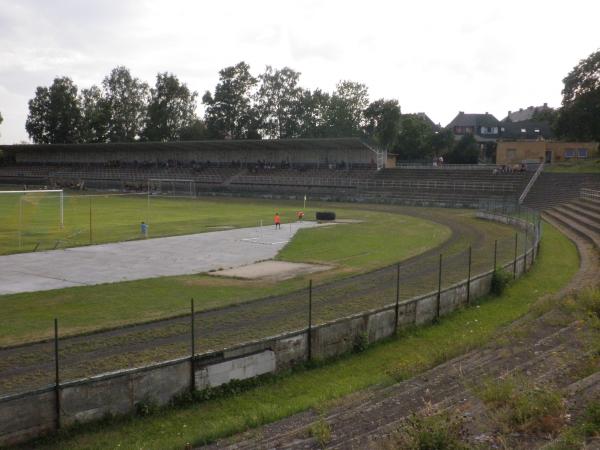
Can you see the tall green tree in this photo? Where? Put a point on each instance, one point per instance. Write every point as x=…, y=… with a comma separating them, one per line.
x=579, y=117
x=195, y=131
x=55, y=114
x=441, y=142
x=127, y=100
x=95, y=115
x=171, y=110
x=346, y=110
x=414, y=139
x=312, y=113
x=466, y=151
x=383, y=122
x=229, y=110
x=277, y=102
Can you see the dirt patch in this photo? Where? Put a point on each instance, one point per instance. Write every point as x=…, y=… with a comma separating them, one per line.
x=221, y=281
x=272, y=270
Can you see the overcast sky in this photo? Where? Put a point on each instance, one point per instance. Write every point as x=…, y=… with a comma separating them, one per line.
x=436, y=57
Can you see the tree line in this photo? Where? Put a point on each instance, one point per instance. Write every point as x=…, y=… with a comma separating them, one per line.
x=272, y=105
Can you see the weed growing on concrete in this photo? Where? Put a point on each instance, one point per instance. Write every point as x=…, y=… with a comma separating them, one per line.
x=321, y=431
x=431, y=430
x=522, y=406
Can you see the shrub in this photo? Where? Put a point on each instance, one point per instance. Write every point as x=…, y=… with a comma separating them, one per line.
x=321, y=431
x=146, y=407
x=500, y=279
x=361, y=342
x=431, y=432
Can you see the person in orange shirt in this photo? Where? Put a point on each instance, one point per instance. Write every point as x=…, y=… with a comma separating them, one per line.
x=277, y=221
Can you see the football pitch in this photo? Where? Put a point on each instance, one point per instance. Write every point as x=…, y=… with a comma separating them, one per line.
x=32, y=222
x=373, y=239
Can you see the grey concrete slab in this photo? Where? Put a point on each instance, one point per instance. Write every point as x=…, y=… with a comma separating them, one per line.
x=134, y=260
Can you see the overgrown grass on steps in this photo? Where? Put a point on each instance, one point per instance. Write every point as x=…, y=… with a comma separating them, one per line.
x=381, y=364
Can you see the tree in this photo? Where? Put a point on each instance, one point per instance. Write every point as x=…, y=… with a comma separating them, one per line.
x=172, y=109
x=195, y=131
x=414, y=139
x=278, y=99
x=229, y=111
x=1, y=119
x=55, y=114
x=383, y=122
x=466, y=151
x=95, y=115
x=579, y=117
x=127, y=100
x=442, y=142
x=312, y=113
x=345, y=113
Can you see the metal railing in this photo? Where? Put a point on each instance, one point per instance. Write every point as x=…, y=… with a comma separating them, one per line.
x=534, y=177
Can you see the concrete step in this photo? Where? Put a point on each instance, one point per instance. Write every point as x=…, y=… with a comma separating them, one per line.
x=583, y=210
x=591, y=205
x=590, y=224
x=578, y=229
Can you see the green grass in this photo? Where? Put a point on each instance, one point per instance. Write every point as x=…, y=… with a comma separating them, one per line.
x=424, y=347
x=379, y=240
x=103, y=218
x=581, y=166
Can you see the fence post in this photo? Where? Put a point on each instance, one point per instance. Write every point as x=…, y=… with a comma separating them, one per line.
x=56, y=374
x=397, y=296
x=90, y=219
x=515, y=260
x=525, y=253
x=495, y=255
x=469, y=278
x=439, y=294
x=193, y=355
x=309, y=343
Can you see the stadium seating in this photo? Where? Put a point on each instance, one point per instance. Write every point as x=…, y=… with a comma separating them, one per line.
x=415, y=186
x=552, y=189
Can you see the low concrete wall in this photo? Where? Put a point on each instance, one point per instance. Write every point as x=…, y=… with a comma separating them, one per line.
x=31, y=414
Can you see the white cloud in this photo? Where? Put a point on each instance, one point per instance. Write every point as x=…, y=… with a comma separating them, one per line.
x=437, y=57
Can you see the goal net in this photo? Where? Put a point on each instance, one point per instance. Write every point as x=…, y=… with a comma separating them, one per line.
x=175, y=187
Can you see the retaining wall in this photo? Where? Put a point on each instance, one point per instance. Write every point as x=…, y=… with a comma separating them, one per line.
x=27, y=415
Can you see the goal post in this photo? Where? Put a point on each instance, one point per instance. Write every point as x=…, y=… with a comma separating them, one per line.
x=171, y=186
x=60, y=193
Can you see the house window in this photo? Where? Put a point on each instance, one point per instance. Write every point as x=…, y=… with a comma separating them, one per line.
x=523, y=130
x=469, y=130
x=582, y=153
x=537, y=130
x=458, y=130
x=570, y=153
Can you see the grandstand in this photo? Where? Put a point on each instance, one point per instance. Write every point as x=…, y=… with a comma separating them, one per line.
x=329, y=169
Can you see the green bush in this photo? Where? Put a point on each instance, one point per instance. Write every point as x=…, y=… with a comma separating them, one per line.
x=361, y=342
x=431, y=432
x=500, y=280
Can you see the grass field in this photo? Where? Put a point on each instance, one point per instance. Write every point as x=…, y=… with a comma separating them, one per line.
x=31, y=219
x=378, y=239
x=379, y=365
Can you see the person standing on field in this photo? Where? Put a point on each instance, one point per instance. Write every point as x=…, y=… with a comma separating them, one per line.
x=277, y=221
x=144, y=229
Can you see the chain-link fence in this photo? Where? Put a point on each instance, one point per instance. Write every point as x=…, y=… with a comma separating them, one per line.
x=33, y=365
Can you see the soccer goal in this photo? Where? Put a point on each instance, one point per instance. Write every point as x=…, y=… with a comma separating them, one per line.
x=171, y=186
x=36, y=196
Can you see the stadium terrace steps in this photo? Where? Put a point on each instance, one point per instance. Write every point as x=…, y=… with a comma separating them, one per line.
x=552, y=189
x=584, y=226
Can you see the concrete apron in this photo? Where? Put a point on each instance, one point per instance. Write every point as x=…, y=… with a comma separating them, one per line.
x=147, y=258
